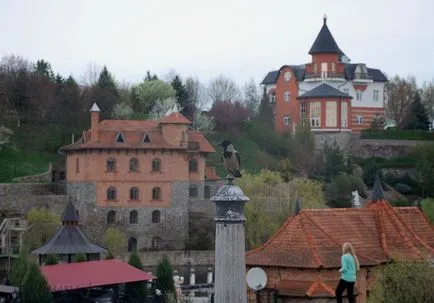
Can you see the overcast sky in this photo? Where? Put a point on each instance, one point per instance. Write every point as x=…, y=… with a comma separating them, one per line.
x=238, y=38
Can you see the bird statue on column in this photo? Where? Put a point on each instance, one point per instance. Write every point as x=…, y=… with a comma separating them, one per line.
x=231, y=159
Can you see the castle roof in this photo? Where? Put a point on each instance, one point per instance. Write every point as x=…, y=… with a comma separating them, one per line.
x=324, y=42
x=324, y=90
x=70, y=214
x=175, y=118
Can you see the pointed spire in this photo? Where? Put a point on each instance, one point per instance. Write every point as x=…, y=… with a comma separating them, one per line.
x=324, y=42
x=297, y=208
x=95, y=108
x=377, y=190
x=325, y=19
x=70, y=214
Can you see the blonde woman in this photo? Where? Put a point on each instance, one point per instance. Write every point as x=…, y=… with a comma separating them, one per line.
x=349, y=267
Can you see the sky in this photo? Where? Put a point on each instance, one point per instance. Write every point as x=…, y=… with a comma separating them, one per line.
x=241, y=39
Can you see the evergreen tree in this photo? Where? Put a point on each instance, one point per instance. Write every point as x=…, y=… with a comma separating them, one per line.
x=135, y=291
x=265, y=113
x=304, y=149
x=334, y=161
x=417, y=116
x=35, y=287
x=19, y=269
x=105, y=93
x=106, y=81
x=44, y=68
x=165, y=276
x=150, y=77
x=182, y=97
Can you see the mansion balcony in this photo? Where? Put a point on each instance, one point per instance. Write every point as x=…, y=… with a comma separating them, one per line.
x=321, y=76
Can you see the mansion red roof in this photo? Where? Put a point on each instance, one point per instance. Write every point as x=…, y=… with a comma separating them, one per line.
x=71, y=276
x=134, y=132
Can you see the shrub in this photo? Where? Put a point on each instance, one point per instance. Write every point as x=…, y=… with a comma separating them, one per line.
x=339, y=190
x=397, y=134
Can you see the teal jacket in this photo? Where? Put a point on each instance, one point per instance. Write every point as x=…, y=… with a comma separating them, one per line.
x=348, y=272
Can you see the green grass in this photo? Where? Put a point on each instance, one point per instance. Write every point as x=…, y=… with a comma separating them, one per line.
x=16, y=163
x=253, y=159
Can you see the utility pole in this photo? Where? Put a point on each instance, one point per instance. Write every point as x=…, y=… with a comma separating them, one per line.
x=9, y=249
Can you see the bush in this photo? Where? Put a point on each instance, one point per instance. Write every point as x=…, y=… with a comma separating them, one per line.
x=397, y=134
x=51, y=260
x=135, y=291
x=165, y=276
x=339, y=190
x=35, y=286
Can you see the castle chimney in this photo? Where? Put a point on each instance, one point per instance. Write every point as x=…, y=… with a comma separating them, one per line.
x=94, y=126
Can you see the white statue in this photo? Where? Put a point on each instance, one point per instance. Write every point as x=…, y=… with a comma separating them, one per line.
x=356, y=198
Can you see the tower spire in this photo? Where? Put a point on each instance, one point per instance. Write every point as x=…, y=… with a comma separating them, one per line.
x=325, y=19
x=377, y=190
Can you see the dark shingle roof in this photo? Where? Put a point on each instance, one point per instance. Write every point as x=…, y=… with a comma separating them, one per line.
x=324, y=90
x=69, y=239
x=325, y=43
x=376, y=74
x=271, y=77
x=377, y=190
x=70, y=213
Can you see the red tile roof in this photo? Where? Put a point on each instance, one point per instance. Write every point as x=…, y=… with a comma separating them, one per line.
x=91, y=274
x=175, y=118
x=210, y=174
x=316, y=287
x=379, y=232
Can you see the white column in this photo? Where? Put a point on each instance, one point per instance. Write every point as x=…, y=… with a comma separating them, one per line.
x=192, y=280
x=209, y=276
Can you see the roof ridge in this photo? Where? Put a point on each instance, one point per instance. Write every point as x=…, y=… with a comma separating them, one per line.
x=383, y=240
x=330, y=290
x=312, y=288
x=310, y=242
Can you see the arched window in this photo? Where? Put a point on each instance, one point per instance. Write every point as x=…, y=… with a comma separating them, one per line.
x=192, y=165
x=134, y=217
x=132, y=244
x=134, y=193
x=111, y=217
x=111, y=164
x=156, y=216
x=156, y=165
x=134, y=165
x=156, y=193
x=77, y=165
x=193, y=191
x=111, y=193
x=156, y=243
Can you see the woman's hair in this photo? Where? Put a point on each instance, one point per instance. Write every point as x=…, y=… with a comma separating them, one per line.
x=347, y=248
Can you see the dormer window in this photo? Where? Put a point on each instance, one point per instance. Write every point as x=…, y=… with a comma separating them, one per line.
x=120, y=138
x=146, y=139
x=287, y=76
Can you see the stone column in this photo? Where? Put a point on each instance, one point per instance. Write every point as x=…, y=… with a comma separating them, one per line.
x=230, y=261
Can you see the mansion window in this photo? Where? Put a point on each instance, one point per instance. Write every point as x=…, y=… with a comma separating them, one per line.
x=156, y=243
x=134, y=164
x=111, y=217
x=156, y=165
x=286, y=121
x=207, y=192
x=376, y=95
x=286, y=96
x=156, y=193
x=331, y=112
x=315, y=114
x=120, y=138
x=156, y=216
x=111, y=194
x=134, y=217
x=111, y=164
x=193, y=191
x=134, y=193
x=287, y=76
x=358, y=95
x=359, y=119
x=273, y=98
x=192, y=166
x=132, y=244
x=303, y=109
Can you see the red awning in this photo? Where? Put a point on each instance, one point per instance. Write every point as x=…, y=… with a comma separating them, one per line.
x=92, y=274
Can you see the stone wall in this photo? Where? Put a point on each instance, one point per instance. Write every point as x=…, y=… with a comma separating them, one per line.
x=343, y=139
x=177, y=257
x=367, y=148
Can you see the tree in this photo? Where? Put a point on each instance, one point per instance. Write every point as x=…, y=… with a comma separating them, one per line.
x=19, y=268
x=400, y=94
x=42, y=215
x=370, y=171
x=135, y=291
x=182, y=97
x=165, y=276
x=402, y=282
x=304, y=150
x=43, y=225
x=417, y=116
x=229, y=115
x=428, y=98
x=147, y=93
x=334, y=161
x=252, y=98
x=428, y=208
x=265, y=112
x=123, y=111
x=378, y=122
x=114, y=240
x=51, y=260
x=44, y=68
x=91, y=74
x=105, y=93
x=161, y=107
x=150, y=77
x=35, y=287
x=222, y=89
x=338, y=191
x=80, y=257
x=424, y=155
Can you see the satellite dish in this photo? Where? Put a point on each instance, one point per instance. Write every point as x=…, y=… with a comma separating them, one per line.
x=256, y=278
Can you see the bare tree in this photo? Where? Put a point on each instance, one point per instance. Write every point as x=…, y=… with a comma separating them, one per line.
x=252, y=97
x=197, y=93
x=223, y=89
x=428, y=98
x=400, y=94
x=91, y=74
